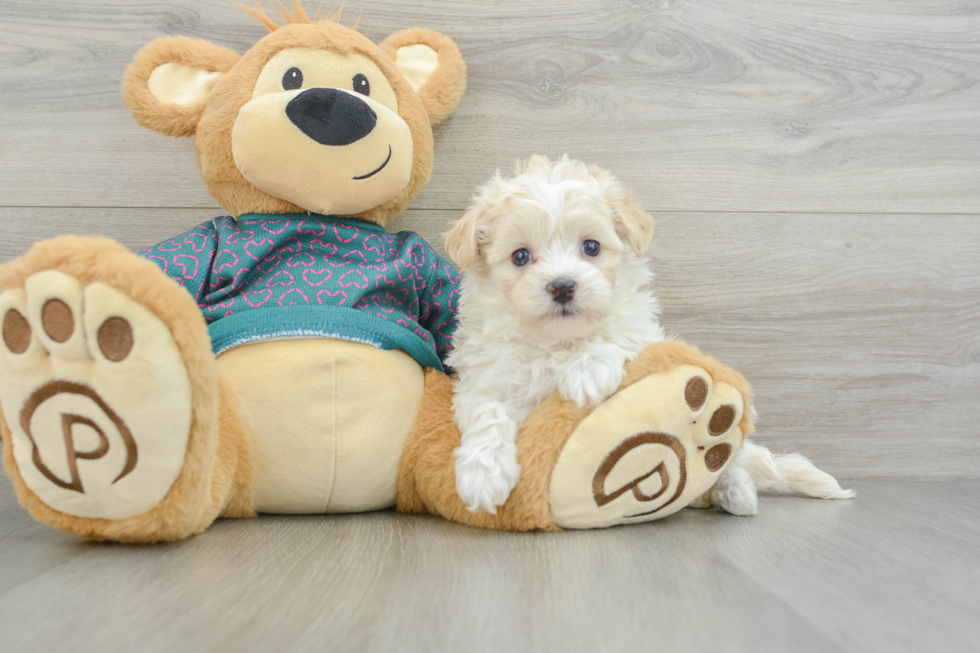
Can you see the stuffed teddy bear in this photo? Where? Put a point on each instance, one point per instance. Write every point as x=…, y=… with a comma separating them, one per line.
x=287, y=358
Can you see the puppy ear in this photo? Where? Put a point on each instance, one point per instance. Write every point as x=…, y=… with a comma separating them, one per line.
x=634, y=225
x=167, y=85
x=433, y=66
x=463, y=240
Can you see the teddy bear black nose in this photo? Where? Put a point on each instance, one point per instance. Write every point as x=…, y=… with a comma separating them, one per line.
x=331, y=117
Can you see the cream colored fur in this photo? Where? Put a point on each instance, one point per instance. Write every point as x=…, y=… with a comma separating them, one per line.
x=326, y=421
x=151, y=371
x=655, y=404
x=266, y=174
x=514, y=345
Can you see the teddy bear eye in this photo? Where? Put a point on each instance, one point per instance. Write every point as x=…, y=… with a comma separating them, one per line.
x=361, y=84
x=590, y=248
x=293, y=79
x=521, y=257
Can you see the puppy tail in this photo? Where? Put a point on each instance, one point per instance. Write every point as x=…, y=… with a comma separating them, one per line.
x=788, y=473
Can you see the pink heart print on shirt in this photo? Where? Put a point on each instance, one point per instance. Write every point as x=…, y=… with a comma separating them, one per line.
x=354, y=278
x=315, y=277
x=331, y=296
x=346, y=233
x=189, y=265
x=280, y=278
x=258, y=298
x=258, y=262
x=275, y=227
x=226, y=259
x=293, y=297
x=258, y=250
x=300, y=259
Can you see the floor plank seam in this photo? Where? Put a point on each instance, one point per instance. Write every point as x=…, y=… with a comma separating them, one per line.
x=968, y=214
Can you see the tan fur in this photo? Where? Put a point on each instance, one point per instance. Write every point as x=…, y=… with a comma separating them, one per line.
x=437, y=98
x=668, y=355
x=216, y=474
x=427, y=479
x=187, y=507
x=231, y=491
x=443, y=91
x=215, y=159
x=171, y=119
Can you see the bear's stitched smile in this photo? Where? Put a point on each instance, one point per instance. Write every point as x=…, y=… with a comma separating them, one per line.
x=376, y=170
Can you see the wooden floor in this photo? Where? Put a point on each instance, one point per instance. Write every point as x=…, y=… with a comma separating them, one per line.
x=897, y=569
x=814, y=168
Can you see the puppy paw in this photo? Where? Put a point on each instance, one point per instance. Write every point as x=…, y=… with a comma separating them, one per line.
x=486, y=474
x=589, y=379
x=735, y=492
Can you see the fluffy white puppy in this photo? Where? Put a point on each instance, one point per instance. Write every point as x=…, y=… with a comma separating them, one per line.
x=554, y=297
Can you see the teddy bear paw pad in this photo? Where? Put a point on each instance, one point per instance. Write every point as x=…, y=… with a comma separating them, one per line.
x=648, y=451
x=95, y=394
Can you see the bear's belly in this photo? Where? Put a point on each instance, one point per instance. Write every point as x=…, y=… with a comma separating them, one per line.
x=326, y=419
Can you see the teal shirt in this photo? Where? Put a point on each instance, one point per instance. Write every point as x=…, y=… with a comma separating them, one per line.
x=268, y=277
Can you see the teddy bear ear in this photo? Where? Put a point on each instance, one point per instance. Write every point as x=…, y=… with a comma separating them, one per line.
x=167, y=85
x=433, y=66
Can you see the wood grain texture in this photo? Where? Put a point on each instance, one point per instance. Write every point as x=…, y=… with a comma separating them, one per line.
x=860, y=334
x=814, y=168
x=721, y=105
x=894, y=570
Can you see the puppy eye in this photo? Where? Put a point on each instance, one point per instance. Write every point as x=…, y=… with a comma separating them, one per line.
x=361, y=84
x=590, y=248
x=293, y=79
x=521, y=257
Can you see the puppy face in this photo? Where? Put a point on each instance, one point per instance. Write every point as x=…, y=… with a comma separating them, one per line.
x=548, y=245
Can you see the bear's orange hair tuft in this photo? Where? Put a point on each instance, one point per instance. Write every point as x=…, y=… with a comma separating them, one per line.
x=299, y=15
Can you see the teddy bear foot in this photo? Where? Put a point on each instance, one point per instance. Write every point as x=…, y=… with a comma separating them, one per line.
x=102, y=408
x=660, y=442
x=649, y=451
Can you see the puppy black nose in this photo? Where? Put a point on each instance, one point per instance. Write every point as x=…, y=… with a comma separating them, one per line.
x=561, y=290
x=331, y=117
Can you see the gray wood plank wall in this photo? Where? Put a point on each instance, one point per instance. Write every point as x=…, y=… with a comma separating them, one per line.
x=814, y=168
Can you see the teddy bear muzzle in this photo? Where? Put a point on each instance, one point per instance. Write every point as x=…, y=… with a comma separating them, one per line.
x=325, y=149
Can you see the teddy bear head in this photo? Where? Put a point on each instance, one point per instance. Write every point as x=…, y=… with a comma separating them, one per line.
x=314, y=118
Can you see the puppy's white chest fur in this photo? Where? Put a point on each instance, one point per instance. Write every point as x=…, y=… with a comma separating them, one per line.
x=497, y=357
x=554, y=297
x=504, y=372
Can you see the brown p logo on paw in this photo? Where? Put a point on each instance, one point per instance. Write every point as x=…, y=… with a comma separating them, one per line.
x=68, y=422
x=636, y=485
x=648, y=451
x=96, y=395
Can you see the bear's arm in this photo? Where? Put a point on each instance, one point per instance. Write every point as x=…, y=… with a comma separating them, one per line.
x=188, y=258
